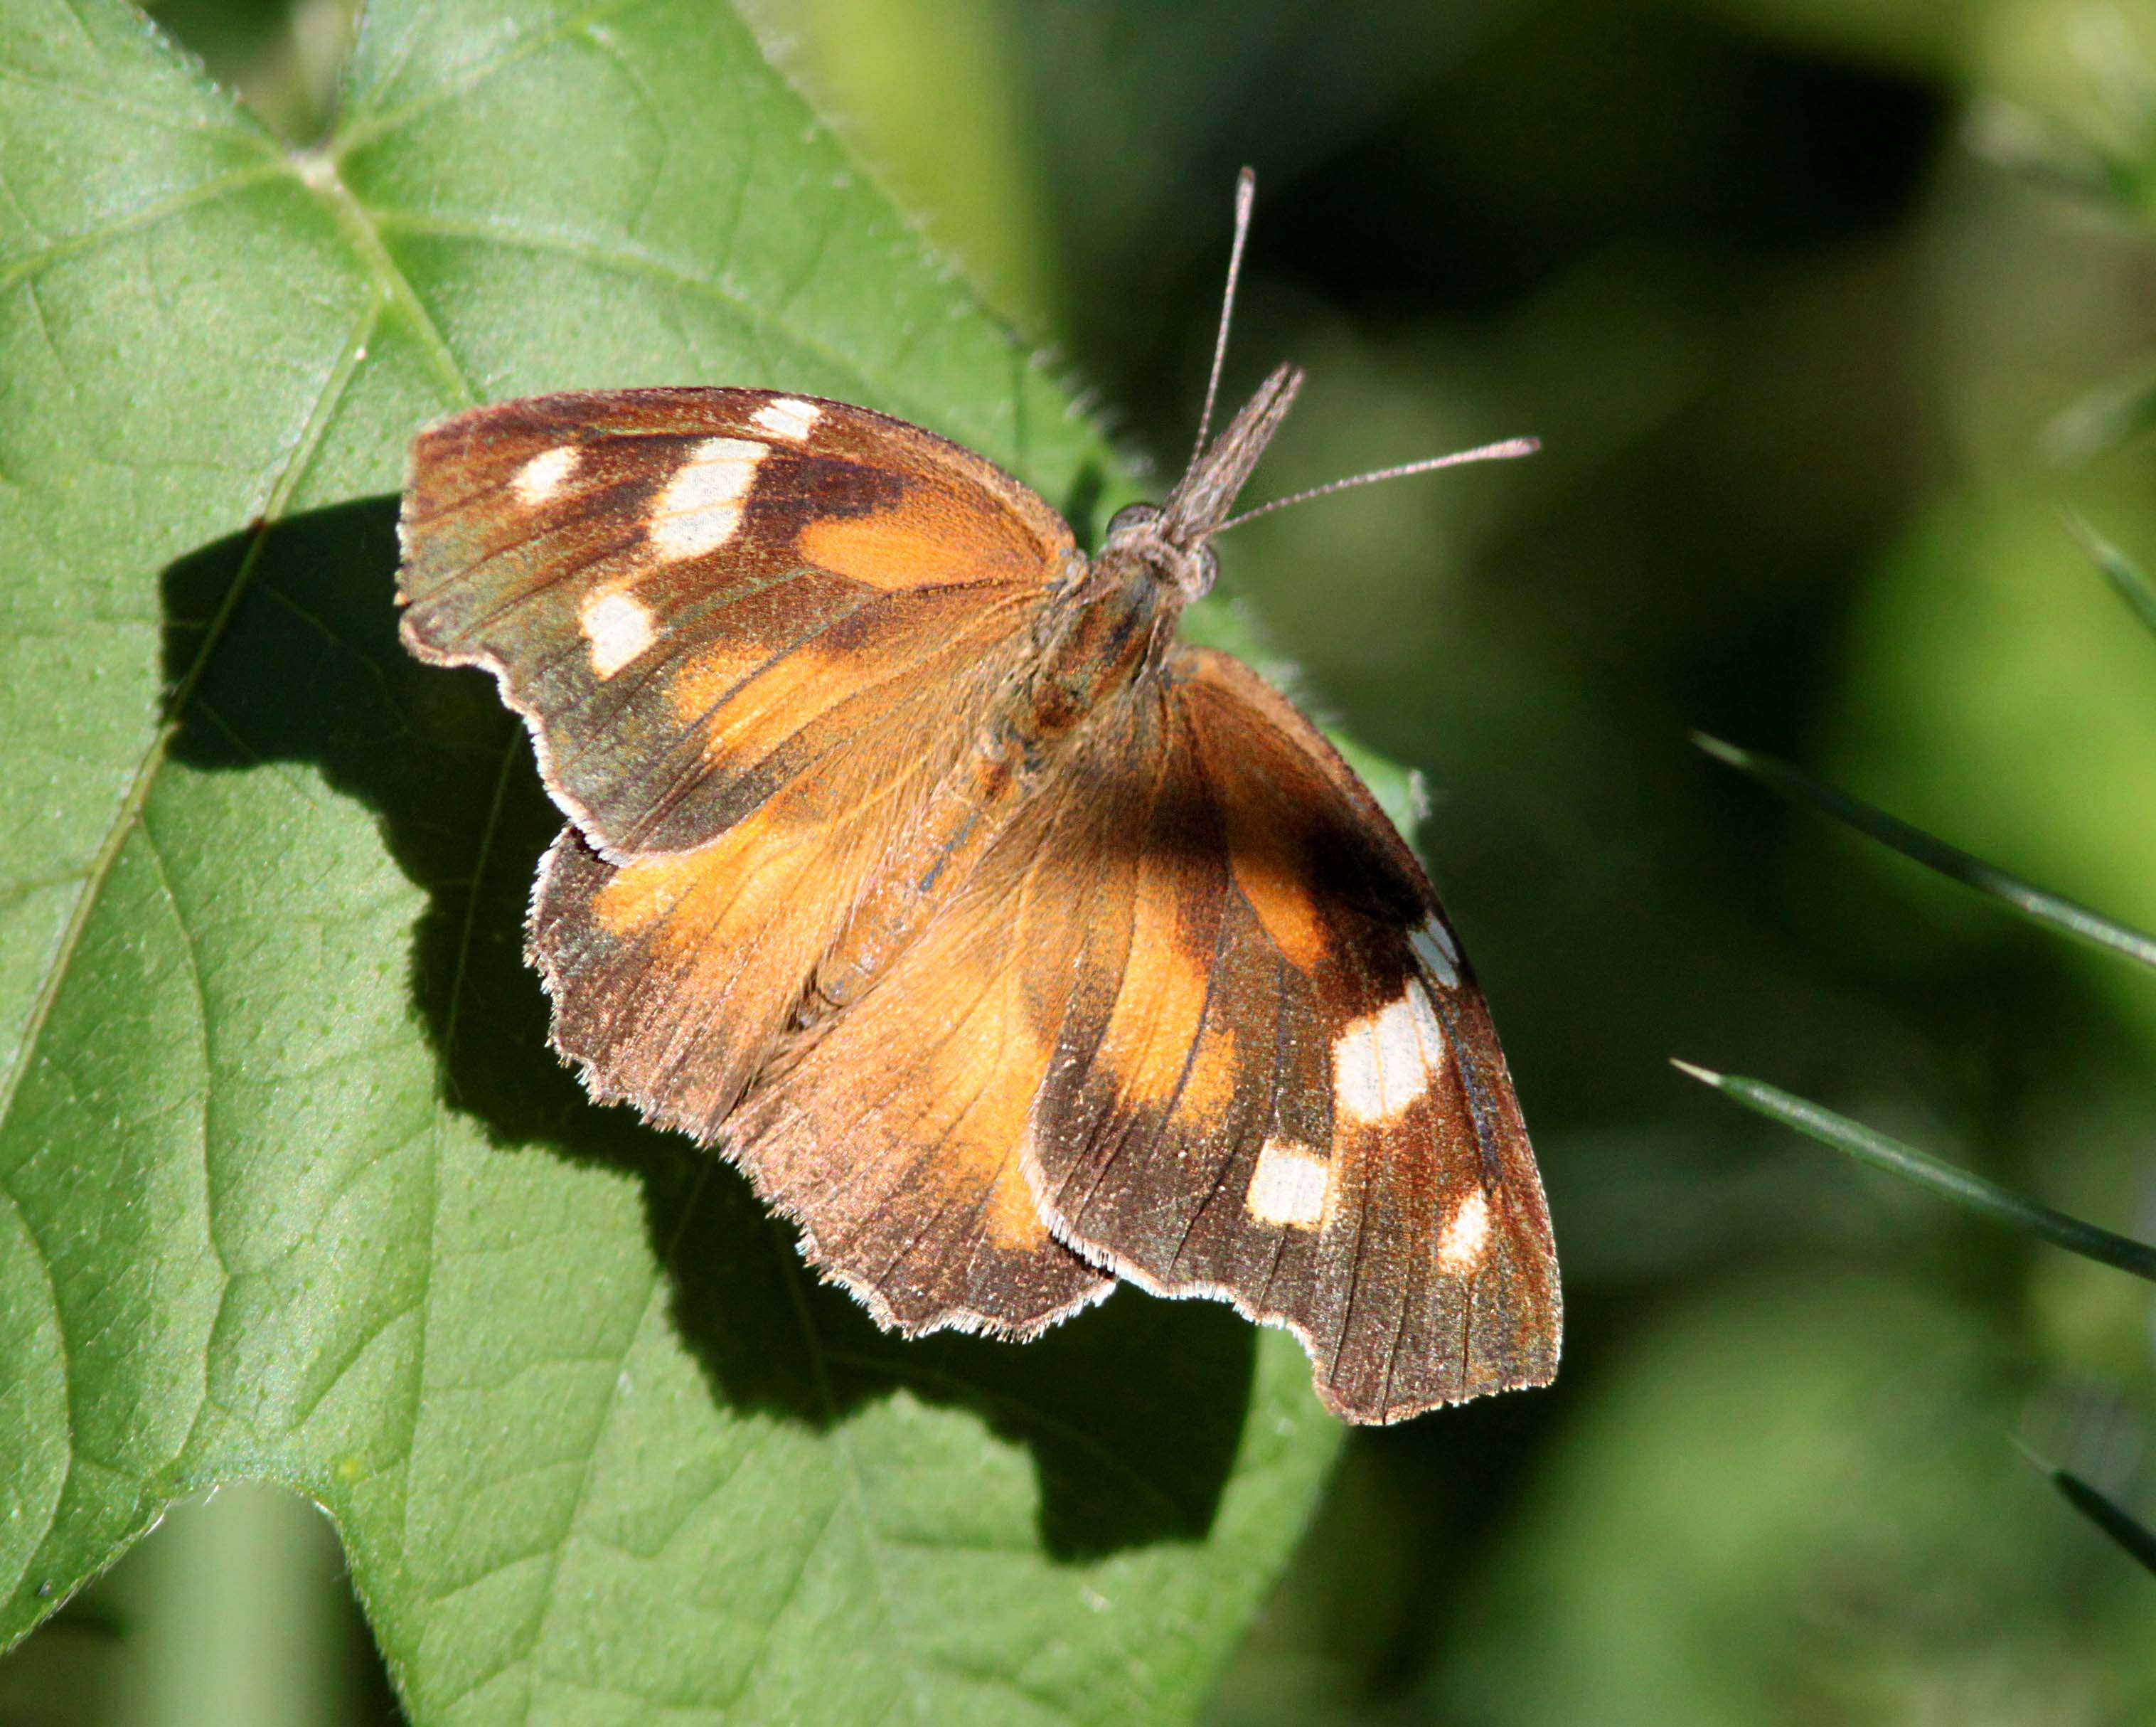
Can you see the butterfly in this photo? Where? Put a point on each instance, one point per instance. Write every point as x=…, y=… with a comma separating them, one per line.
x=1011, y=945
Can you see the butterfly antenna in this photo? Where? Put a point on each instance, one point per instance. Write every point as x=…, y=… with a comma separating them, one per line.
x=1504, y=451
x=1246, y=192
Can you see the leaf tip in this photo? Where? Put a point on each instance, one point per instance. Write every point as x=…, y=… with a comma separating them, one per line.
x=1705, y=1076
x=2107, y=557
x=1720, y=750
x=2035, y=1459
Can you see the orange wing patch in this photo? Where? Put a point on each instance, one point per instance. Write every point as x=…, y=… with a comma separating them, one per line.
x=928, y=542
x=744, y=703
x=703, y=680
x=896, y=1138
x=1013, y=1217
x=673, y=977
x=645, y=892
x=1272, y=876
x=1165, y=982
x=1147, y=1045
x=897, y=1133
x=1208, y=1088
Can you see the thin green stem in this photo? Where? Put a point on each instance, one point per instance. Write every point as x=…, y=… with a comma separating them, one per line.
x=1987, y=1198
x=2036, y=903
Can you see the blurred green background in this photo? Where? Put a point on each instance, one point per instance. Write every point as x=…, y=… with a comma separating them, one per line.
x=1799, y=294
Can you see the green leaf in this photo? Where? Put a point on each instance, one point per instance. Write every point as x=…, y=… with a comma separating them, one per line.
x=1986, y=1198
x=289, y=1187
x=2035, y=903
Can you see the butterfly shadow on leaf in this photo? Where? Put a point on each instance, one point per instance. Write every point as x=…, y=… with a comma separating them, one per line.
x=283, y=646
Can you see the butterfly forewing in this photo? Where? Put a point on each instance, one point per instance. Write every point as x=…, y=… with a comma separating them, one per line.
x=1274, y=1080
x=697, y=596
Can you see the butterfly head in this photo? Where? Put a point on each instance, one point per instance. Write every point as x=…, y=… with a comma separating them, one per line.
x=1171, y=540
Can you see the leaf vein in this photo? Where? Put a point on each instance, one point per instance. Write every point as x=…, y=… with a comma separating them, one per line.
x=153, y=758
x=206, y=192
x=205, y=1125
x=752, y=316
x=364, y=131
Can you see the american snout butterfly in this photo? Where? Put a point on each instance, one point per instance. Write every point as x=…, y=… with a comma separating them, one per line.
x=1010, y=944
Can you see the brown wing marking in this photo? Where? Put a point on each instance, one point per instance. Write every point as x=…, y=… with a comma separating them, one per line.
x=1339, y=1151
x=629, y=565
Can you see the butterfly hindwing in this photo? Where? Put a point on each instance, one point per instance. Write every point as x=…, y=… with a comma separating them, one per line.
x=890, y=1130
x=891, y=1135
x=895, y=1131
x=695, y=596
x=1274, y=1080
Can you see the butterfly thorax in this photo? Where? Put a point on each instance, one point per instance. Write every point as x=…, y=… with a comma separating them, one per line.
x=1092, y=644
x=1155, y=560
x=1096, y=640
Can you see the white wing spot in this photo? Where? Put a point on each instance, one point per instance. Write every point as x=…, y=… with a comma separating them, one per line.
x=1434, y=945
x=1289, y=1186
x=539, y=479
x=788, y=416
x=1466, y=1237
x=1382, y=1061
x=619, y=626
x=699, y=508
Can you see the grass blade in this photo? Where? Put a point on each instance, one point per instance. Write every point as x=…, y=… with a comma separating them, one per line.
x=2110, y=415
x=2053, y=909
x=2052, y=158
x=2107, y=1513
x=1988, y=1198
x=2127, y=577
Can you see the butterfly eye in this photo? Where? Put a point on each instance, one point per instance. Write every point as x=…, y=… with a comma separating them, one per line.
x=1131, y=518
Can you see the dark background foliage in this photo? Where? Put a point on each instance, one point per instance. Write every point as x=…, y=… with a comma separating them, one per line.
x=1792, y=330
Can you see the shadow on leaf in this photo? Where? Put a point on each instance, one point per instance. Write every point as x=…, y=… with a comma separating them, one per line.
x=1133, y=1412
